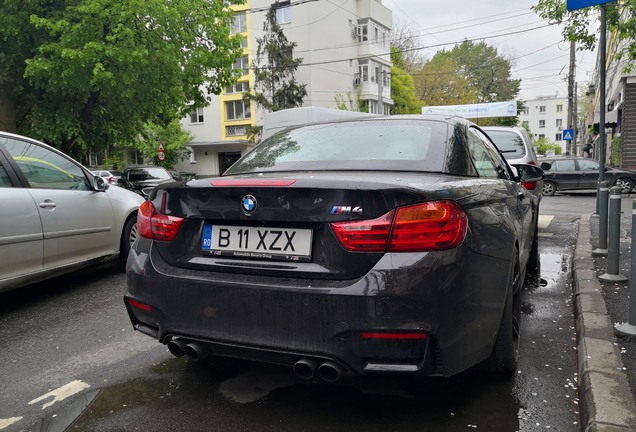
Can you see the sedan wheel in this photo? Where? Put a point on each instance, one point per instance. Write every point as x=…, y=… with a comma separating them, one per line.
x=549, y=188
x=128, y=237
x=625, y=184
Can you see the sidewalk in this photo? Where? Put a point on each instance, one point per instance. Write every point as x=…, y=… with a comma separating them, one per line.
x=607, y=364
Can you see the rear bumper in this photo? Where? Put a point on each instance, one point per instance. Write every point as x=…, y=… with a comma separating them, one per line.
x=445, y=296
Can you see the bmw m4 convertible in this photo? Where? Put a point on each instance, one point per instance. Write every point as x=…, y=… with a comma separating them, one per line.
x=379, y=245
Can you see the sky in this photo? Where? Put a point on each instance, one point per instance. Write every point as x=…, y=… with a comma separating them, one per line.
x=541, y=56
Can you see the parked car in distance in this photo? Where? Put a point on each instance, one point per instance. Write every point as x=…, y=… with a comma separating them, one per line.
x=569, y=173
x=394, y=244
x=56, y=215
x=516, y=146
x=110, y=176
x=142, y=179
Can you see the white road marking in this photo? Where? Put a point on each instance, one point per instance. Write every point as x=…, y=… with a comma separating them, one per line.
x=61, y=393
x=544, y=221
x=8, y=422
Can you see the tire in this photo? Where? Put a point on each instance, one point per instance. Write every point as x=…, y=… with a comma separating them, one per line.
x=128, y=237
x=549, y=188
x=505, y=353
x=533, y=259
x=626, y=184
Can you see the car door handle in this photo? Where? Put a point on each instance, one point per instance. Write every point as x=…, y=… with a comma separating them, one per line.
x=48, y=204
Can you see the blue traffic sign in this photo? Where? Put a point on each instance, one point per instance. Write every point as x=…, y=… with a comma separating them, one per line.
x=580, y=4
x=568, y=134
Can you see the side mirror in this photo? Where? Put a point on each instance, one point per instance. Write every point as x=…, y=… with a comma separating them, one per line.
x=100, y=184
x=528, y=173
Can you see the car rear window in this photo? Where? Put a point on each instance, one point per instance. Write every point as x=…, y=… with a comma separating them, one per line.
x=366, y=145
x=510, y=143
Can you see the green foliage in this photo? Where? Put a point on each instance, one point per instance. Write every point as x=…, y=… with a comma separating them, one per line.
x=469, y=73
x=276, y=86
x=581, y=25
x=348, y=102
x=617, y=151
x=439, y=82
x=403, y=93
x=173, y=138
x=91, y=73
x=253, y=133
x=544, y=147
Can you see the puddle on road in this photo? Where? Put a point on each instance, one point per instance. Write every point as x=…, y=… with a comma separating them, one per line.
x=180, y=395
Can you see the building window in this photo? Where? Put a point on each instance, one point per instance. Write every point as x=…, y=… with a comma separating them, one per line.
x=237, y=130
x=526, y=111
x=542, y=109
x=541, y=136
x=240, y=23
x=541, y=123
x=283, y=13
x=558, y=137
x=559, y=122
x=525, y=124
x=237, y=110
x=364, y=32
x=364, y=72
x=244, y=42
x=196, y=115
x=239, y=87
x=559, y=108
x=243, y=64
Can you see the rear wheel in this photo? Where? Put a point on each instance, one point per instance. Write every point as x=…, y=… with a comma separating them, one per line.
x=128, y=237
x=533, y=260
x=505, y=353
x=625, y=184
x=549, y=188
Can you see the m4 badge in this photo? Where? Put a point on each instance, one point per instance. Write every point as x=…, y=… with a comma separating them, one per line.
x=346, y=210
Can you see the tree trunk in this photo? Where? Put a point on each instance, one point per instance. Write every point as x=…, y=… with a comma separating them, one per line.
x=7, y=112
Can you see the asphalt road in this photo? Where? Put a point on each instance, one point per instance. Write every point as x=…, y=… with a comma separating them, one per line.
x=71, y=359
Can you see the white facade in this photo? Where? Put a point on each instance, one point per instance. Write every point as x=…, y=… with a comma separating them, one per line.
x=345, y=48
x=546, y=117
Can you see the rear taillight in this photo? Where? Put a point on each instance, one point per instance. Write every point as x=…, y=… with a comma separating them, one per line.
x=529, y=185
x=422, y=227
x=156, y=226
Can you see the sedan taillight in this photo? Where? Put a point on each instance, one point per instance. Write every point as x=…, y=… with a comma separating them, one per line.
x=156, y=226
x=422, y=227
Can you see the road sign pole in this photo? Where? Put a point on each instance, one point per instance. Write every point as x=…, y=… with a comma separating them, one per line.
x=601, y=121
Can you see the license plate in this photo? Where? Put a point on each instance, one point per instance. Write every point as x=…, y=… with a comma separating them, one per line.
x=290, y=244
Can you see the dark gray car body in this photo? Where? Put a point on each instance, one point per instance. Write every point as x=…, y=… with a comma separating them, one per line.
x=284, y=310
x=568, y=173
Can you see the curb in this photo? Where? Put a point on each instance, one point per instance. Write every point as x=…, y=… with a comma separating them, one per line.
x=605, y=399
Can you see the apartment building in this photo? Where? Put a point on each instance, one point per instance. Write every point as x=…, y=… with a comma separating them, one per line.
x=546, y=117
x=345, y=47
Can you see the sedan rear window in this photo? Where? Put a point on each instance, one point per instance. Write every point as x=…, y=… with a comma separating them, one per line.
x=365, y=145
x=510, y=143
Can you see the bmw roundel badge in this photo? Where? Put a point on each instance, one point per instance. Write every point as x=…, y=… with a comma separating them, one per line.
x=249, y=204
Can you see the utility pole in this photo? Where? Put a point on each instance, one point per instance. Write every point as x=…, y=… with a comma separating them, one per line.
x=379, y=77
x=571, y=106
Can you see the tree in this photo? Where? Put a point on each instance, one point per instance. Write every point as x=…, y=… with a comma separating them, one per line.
x=402, y=87
x=487, y=72
x=173, y=138
x=439, y=82
x=275, y=67
x=78, y=72
x=407, y=43
x=577, y=25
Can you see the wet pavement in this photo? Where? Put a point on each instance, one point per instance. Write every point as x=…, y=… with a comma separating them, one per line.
x=135, y=384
